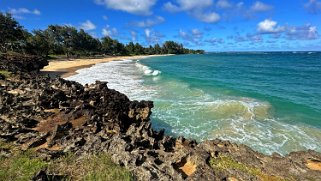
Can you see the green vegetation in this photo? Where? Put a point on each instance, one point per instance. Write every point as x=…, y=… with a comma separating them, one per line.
x=223, y=163
x=5, y=73
x=23, y=165
x=18, y=166
x=67, y=40
x=89, y=167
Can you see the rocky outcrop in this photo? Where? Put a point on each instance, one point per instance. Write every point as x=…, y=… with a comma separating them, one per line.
x=55, y=116
x=15, y=62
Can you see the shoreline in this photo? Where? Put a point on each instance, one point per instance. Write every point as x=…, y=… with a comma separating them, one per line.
x=52, y=118
x=67, y=68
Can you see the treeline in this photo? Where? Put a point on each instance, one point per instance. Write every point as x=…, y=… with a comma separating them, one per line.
x=67, y=40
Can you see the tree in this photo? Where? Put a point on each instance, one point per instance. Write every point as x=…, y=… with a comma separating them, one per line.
x=139, y=50
x=157, y=49
x=12, y=35
x=112, y=47
x=130, y=47
x=62, y=39
x=68, y=40
x=171, y=47
x=38, y=44
x=86, y=44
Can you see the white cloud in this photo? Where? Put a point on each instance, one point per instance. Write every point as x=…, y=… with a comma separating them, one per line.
x=306, y=32
x=192, y=4
x=269, y=26
x=108, y=31
x=215, y=41
x=88, y=25
x=105, y=18
x=17, y=13
x=171, y=7
x=200, y=10
x=253, y=38
x=133, y=35
x=260, y=7
x=313, y=6
x=139, y=7
x=193, y=36
x=152, y=37
x=223, y=4
x=211, y=17
x=185, y=5
x=36, y=12
x=147, y=33
x=149, y=22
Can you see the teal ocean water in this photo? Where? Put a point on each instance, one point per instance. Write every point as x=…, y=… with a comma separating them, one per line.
x=268, y=101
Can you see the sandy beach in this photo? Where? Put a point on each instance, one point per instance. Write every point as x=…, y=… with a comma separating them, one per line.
x=66, y=68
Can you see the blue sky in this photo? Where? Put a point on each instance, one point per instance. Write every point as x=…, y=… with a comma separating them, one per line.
x=213, y=25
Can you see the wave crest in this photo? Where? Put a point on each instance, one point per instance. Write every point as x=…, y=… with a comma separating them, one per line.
x=147, y=70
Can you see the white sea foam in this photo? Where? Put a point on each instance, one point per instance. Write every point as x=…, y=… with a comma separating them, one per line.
x=120, y=75
x=147, y=70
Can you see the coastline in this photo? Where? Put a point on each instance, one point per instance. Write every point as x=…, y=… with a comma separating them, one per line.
x=52, y=118
x=67, y=68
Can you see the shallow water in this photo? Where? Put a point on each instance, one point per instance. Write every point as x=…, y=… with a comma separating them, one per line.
x=268, y=101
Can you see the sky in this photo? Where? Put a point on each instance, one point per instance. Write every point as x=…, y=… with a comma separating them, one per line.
x=212, y=25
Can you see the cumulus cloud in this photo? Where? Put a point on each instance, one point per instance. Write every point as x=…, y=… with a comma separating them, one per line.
x=306, y=32
x=313, y=6
x=198, y=9
x=105, y=18
x=210, y=17
x=139, y=7
x=185, y=5
x=108, y=31
x=215, y=41
x=260, y=7
x=223, y=4
x=269, y=26
x=88, y=25
x=211, y=11
x=18, y=13
x=149, y=22
x=133, y=35
x=194, y=36
x=152, y=37
x=252, y=38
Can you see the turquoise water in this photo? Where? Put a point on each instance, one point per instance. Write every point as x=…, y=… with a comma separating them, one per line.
x=268, y=101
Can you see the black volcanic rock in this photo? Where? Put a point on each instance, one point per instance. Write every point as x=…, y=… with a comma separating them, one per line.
x=22, y=63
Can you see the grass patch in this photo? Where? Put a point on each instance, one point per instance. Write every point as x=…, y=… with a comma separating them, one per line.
x=226, y=163
x=90, y=167
x=5, y=73
x=19, y=166
x=22, y=166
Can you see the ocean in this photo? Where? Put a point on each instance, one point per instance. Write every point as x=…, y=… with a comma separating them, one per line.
x=270, y=101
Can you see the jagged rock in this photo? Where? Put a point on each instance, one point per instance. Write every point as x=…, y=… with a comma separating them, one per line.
x=22, y=63
x=42, y=175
